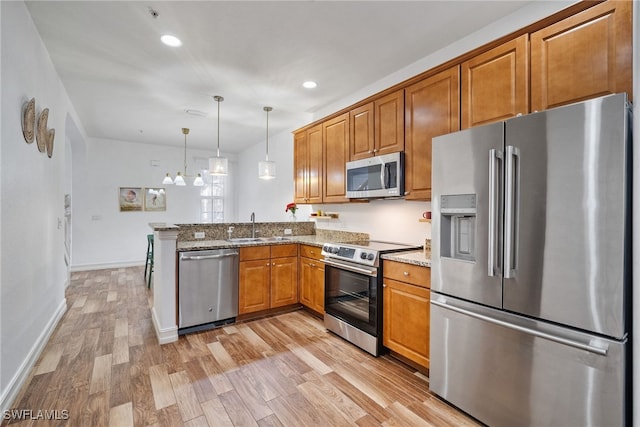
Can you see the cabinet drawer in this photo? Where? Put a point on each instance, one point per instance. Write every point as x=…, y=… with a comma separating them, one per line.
x=279, y=251
x=255, y=252
x=408, y=273
x=309, y=251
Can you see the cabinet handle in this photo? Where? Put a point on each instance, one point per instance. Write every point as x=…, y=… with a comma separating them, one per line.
x=273, y=264
x=370, y=152
x=267, y=264
x=312, y=265
x=375, y=150
x=384, y=285
x=406, y=273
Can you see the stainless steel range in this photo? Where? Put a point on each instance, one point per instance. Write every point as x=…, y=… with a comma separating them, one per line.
x=353, y=290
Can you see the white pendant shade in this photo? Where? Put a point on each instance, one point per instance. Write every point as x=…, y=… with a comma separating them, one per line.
x=198, y=182
x=179, y=180
x=218, y=166
x=266, y=169
x=167, y=180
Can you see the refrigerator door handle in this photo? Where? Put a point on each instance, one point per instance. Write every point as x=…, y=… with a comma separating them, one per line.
x=561, y=340
x=494, y=157
x=512, y=183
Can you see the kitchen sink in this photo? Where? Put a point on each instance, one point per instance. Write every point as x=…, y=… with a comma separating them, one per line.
x=275, y=239
x=258, y=239
x=244, y=239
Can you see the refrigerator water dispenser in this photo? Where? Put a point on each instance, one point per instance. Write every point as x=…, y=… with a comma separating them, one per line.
x=458, y=226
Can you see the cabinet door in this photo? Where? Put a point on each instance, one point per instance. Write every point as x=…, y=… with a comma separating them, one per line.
x=581, y=57
x=317, y=285
x=432, y=108
x=300, y=167
x=284, y=281
x=389, y=123
x=312, y=284
x=406, y=320
x=306, y=296
x=253, y=292
x=336, y=155
x=314, y=175
x=495, y=84
x=362, y=132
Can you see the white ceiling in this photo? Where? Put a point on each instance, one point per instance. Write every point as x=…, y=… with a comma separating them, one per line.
x=126, y=85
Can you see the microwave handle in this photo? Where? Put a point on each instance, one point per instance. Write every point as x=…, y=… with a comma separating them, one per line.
x=384, y=175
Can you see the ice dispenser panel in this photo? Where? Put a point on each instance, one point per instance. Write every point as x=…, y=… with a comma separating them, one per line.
x=458, y=226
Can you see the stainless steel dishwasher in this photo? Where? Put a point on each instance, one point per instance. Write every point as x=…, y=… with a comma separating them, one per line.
x=207, y=289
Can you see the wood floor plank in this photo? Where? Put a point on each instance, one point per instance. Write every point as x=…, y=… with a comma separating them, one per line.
x=105, y=366
x=50, y=359
x=237, y=411
x=188, y=403
x=215, y=413
x=121, y=416
x=120, y=390
x=120, y=350
x=101, y=374
x=163, y=395
x=222, y=356
x=310, y=359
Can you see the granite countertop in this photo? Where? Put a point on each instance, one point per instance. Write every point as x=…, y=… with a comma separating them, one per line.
x=199, y=245
x=413, y=257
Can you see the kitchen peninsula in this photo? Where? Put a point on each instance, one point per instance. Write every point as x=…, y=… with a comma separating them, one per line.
x=171, y=239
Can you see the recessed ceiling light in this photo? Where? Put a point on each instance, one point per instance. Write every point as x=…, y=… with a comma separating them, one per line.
x=172, y=41
x=310, y=84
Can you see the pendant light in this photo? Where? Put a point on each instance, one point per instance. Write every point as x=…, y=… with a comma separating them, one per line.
x=218, y=165
x=179, y=181
x=267, y=169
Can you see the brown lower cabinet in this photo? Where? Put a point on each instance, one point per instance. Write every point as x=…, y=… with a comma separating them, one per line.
x=406, y=296
x=268, y=277
x=311, y=278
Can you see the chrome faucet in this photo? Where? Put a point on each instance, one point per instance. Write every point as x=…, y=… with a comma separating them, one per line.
x=253, y=225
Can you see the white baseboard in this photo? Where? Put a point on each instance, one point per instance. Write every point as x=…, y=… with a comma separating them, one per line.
x=102, y=266
x=166, y=335
x=13, y=388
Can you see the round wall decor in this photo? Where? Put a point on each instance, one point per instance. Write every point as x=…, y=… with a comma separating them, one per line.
x=43, y=133
x=29, y=120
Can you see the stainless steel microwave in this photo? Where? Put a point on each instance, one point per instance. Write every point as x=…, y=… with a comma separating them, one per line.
x=378, y=176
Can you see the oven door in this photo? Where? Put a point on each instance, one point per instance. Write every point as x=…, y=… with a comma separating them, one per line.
x=352, y=295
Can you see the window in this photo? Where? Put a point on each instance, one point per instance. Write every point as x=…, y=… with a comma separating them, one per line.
x=212, y=198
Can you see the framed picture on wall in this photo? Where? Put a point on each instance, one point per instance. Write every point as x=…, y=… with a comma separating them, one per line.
x=155, y=199
x=130, y=199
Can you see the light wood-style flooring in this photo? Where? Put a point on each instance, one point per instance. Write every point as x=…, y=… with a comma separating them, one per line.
x=104, y=366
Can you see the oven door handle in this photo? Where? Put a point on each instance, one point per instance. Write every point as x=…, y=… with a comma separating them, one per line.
x=369, y=272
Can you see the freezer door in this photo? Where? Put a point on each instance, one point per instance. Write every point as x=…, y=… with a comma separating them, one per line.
x=567, y=252
x=508, y=370
x=467, y=214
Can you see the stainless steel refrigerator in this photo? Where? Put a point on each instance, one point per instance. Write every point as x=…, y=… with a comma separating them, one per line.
x=531, y=267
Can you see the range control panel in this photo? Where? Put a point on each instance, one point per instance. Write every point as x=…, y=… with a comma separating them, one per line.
x=350, y=253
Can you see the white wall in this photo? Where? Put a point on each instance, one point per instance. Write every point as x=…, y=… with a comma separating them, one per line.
x=267, y=198
x=32, y=269
x=102, y=235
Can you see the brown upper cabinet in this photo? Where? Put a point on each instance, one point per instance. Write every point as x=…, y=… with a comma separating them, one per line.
x=336, y=154
x=432, y=108
x=378, y=127
x=307, y=170
x=495, y=84
x=584, y=56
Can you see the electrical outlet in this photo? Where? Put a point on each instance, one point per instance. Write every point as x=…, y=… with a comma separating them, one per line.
x=287, y=231
x=198, y=235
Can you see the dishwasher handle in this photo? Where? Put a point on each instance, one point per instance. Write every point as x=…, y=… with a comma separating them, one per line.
x=201, y=257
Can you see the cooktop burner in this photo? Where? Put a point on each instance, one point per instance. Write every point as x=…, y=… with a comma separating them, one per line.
x=363, y=252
